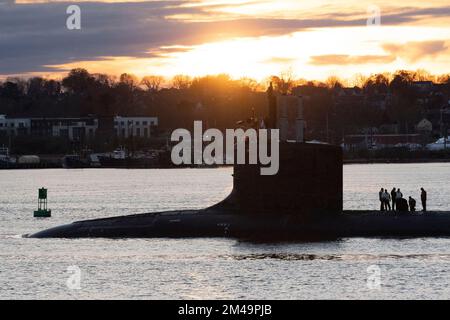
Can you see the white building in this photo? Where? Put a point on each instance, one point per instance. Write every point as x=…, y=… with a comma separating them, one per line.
x=14, y=126
x=134, y=126
x=72, y=128
x=75, y=129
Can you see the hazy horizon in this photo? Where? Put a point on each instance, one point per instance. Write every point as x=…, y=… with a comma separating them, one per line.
x=356, y=80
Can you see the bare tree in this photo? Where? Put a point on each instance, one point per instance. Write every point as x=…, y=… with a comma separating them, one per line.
x=284, y=82
x=250, y=83
x=334, y=82
x=129, y=80
x=153, y=83
x=423, y=75
x=181, y=81
x=358, y=80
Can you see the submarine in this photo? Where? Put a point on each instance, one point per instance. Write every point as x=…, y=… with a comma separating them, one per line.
x=303, y=201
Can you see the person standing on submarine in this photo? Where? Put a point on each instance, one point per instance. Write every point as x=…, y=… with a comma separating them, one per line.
x=387, y=200
x=412, y=204
x=423, y=198
x=398, y=195
x=381, y=196
x=393, y=197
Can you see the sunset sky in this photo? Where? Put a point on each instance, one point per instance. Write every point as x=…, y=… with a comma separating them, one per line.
x=244, y=38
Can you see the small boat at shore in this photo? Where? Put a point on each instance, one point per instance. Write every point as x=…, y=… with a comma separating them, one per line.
x=75, y=161
x=120, y=158
x=6, y=161
x=83, y=159
x=441, y=144
x=19, y=162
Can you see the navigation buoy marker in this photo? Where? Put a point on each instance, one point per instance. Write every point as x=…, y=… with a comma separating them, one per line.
x=42, y=211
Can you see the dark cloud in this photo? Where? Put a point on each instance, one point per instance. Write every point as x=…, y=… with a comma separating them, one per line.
x=35, y=35
x=396, y=16
x=337, y=59
x=415, y=14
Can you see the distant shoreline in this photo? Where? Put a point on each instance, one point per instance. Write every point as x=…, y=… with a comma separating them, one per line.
x=399, y=161
x=345, y=162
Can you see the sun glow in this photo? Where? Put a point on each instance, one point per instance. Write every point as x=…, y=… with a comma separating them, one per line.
x=326, y=44
x=313, y=54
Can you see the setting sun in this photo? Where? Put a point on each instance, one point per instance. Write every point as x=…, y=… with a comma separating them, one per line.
x=312, y=54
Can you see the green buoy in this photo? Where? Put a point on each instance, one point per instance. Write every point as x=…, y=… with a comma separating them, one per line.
x=42, y=211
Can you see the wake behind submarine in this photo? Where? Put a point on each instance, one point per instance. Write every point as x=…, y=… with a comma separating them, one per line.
x=303, y=201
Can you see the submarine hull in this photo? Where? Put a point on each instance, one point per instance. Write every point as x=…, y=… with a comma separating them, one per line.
x=303, y=201
x=188, y=224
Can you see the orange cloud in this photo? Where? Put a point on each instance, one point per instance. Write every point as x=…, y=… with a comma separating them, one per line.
x=279, y=60
x=342, y=59
x=414, y=51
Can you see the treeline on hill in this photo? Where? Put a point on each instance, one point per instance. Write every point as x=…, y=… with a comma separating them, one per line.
x=217, y=100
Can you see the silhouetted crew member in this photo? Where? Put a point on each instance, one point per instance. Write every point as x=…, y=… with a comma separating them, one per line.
x=393, y=198
x=398, y=195
x=423, y=197
x=400, y=202
x=380, y=195
x=402, y=205
x=387, y=200
x=412, y=204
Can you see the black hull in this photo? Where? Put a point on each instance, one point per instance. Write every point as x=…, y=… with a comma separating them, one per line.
x=302, y=202
x=208, y=223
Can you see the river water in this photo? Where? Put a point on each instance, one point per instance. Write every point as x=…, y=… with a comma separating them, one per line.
x=209, y=268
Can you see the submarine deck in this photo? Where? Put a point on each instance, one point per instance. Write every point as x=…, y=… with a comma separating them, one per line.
x=218, y=223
